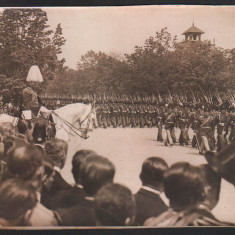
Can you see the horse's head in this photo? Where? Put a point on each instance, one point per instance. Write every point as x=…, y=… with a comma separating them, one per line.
x=89, y=123
x=74, y=119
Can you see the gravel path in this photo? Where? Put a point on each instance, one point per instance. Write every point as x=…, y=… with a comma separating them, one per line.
x=127, y=148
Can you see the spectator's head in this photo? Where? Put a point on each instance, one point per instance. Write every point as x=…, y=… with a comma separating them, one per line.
x=152, y=173
x=114, y=206
x=39, y=134
x=17, y=200
x=49, y=172
x=24, y=126
x=212, y=186
x=9, y=142
x=6, y=129
x=56, y=150
x=96, y=171
x=184, y=185
x=78, y=157
x=25, y=163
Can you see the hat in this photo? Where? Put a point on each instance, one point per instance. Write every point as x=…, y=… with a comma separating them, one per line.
x=34, y=75
x=223, y=163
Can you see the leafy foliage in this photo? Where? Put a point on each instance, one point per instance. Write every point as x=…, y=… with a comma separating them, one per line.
x=161, y=64
x=26, y=40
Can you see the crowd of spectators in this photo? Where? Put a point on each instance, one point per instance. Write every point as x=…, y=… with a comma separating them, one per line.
x=34, y=193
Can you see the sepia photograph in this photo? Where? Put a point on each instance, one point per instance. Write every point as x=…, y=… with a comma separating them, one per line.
x=117, y=117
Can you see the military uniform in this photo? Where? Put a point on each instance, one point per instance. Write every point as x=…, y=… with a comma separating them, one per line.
x=183, y=123
x=169, y=127
x=160, y=122
x=222, y=130
x=206, y=134
x=232, y=126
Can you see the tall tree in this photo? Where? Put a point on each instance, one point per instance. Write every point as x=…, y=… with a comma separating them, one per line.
x=199, y=63
x=25, y=40
x=100, y=73
x=151, y=65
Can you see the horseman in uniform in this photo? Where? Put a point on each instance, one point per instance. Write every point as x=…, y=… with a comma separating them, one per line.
x=31, y=103
x=32, y=108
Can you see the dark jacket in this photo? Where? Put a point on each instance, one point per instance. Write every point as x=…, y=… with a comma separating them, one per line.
x=148, y=204
x=79, y=215
x=69, y=197
x=21, y=140
x=48, y=197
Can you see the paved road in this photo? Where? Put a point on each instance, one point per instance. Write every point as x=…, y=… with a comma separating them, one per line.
x=128, y=148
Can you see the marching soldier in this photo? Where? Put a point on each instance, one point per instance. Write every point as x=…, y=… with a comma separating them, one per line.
x=160, y=122
x=142, y=116
x=133, y=116
x=222, y=129
x=170, y=121
x=206, y=133
x=114, y=115
x=183, y=123
x=232, y=126
x=124, y=115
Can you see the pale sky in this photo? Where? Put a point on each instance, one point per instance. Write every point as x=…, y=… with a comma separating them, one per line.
x=119, y=29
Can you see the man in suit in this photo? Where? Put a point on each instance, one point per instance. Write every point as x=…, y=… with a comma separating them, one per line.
x=148, y=199
x=56, y=150
x=76, y=194
x=22, y=138
x=95, y=171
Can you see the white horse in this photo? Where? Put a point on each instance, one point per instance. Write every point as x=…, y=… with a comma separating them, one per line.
x=74, y=119
x=70, y=120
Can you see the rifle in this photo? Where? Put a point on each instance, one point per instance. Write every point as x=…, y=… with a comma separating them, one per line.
x=194, y=98
x=203, y=93
x=159, y=97
x=170, y=94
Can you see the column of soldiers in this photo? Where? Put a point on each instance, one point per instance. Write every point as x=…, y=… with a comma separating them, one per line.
x=207, y=120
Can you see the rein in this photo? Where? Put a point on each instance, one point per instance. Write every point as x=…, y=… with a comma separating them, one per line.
x=73, y=128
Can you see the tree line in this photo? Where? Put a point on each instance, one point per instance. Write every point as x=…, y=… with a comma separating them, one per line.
x=162, y=65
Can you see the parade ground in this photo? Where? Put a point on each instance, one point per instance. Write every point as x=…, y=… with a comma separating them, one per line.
x=127, y=148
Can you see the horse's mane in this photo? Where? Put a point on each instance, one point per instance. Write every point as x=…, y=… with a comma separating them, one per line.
x=72, y=106
x=65, y=110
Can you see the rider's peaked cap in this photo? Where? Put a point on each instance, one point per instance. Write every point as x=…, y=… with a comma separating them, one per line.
x=223, y=163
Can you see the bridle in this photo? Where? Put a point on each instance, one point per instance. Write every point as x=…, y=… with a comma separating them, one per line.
x=78, y=131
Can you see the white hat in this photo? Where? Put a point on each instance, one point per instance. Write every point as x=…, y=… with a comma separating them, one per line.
x=34, y=74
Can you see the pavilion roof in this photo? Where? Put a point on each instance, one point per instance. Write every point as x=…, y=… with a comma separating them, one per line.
x=193, y=29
